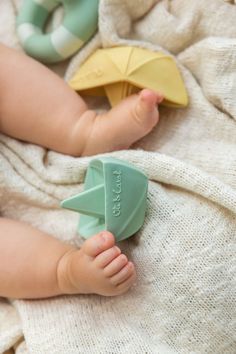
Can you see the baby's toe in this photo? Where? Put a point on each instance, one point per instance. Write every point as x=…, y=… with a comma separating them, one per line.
x=145, y=111
x=116, y=265
x=123, y=287
x=98, y=244
x=148, y=99
x=123, y=274
x=106, y=257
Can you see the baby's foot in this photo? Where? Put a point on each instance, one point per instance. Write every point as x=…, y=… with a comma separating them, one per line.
x=126, y=123
x=97, y=268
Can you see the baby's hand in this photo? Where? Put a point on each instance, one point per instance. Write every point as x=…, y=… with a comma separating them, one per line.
x=97, y=268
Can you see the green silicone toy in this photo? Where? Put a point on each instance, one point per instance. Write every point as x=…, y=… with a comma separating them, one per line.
x=114, y=199
x=78, y=25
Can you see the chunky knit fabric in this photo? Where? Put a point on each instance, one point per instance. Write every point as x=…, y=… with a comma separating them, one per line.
x=184, y=299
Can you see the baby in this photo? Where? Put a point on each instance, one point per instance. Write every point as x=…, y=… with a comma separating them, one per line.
x=37, y=106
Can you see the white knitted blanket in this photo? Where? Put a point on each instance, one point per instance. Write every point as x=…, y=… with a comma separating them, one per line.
x=184, y=299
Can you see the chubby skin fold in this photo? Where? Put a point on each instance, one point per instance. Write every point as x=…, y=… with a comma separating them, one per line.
x=37, y=106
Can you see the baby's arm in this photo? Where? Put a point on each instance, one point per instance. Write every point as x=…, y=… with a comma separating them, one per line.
x=37, y=106
x=36, y=265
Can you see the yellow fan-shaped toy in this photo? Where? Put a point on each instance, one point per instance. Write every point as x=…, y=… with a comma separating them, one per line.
x=120, y=71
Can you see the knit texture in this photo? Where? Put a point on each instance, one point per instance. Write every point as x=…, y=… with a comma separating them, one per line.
x=184, y=298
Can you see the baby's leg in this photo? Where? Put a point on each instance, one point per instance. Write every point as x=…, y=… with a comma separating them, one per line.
x=36, y=105
x=39, y=107
x=36, y=265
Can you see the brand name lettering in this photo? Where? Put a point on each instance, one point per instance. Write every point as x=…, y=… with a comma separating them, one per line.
x=116, y=192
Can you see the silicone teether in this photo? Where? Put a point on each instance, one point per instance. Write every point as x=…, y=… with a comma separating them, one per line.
x=114, y=199
x=121, y=71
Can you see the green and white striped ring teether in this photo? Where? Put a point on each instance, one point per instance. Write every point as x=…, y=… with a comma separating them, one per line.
x=114, y=199
x=79, y=24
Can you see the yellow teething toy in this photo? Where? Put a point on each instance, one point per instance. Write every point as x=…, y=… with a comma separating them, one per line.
x=120, y=71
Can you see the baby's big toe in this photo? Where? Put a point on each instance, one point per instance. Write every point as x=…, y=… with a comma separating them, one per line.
x=149, y=99
x=98, y=243
x=145, y=110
